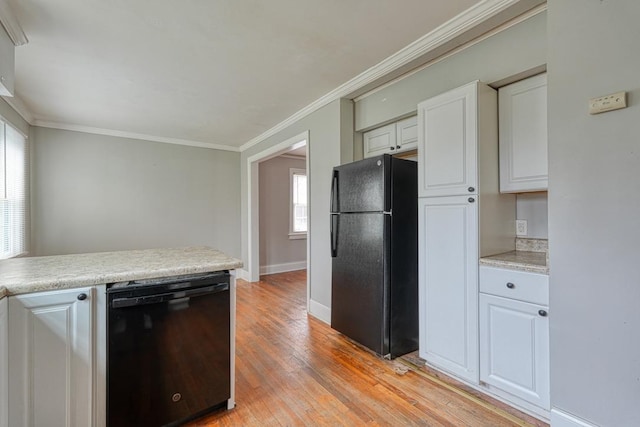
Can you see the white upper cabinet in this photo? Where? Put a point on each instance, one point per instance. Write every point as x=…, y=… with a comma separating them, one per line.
x=51, y=358
x=450, y=127
x=392, y=138
x=523, y=135
x=407, y=134
x=380, y=141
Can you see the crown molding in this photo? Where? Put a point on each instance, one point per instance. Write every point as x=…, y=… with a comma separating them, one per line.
x=458, y=25
x=19, y=106
x=11, y=25
x=132, y=135
x=515, y=21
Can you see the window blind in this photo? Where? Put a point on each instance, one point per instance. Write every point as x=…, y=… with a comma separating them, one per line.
x=14, y=189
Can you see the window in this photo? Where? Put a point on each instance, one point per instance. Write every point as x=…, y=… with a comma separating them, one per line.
x=14, y=191
x=298, y=205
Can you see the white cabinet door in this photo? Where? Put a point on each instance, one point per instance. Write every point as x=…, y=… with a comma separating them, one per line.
x=50, y=358
x=448, y=284
x=447, y=143
x=4, y=367
x=380, y=141
x=523, y=135
x=514, y=348
x=407, y=134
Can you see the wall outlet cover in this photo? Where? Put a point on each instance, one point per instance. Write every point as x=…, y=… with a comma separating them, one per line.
x=521, y=227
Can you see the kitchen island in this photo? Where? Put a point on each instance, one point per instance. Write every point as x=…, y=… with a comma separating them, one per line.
x=56, y=324
x=47, y=273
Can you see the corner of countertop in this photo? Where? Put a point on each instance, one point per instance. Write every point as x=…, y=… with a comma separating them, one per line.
x=3, y=292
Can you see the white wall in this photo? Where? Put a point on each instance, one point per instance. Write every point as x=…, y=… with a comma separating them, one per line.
x=594, y=211
x=276, y=248
x=100, y=193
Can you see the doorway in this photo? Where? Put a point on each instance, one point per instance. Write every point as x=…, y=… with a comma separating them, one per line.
x=253, y=193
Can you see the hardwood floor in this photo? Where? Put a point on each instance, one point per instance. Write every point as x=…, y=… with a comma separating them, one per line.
x=294, y=370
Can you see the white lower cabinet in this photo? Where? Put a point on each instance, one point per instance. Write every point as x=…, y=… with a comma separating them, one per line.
x=448, y=284
x=514, y=340
x=514, y=348
x=51, y=358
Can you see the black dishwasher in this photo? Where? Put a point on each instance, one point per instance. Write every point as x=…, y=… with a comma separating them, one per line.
x=168, y=349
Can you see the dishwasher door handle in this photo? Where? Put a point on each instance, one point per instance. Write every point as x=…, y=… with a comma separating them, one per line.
x=161, y=298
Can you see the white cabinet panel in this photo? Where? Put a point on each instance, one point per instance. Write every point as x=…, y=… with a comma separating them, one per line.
x=4, y=367
x=380, y=141
x=523, y=135
x=448, y=284
x=447, y=140
x=514, y=348
x=50, y=358
x=407, y=134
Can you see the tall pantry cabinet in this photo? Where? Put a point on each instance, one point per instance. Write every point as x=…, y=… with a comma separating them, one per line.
x=462, y=217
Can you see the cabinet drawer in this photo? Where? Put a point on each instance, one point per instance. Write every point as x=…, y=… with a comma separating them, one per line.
x=520, y=285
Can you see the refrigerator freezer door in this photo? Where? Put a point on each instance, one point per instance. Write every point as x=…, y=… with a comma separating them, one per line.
x=362, y=186
x=360, y=289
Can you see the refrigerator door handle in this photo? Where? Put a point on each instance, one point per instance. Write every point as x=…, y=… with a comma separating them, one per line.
x=335, y=205
x=334, y=235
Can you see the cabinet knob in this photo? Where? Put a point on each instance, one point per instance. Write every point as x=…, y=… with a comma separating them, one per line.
x=82, y=296
x=398, y=147
x=542, y=313
x=392, y=148
x=471, y=189
x=510, y=285
x=471, y=200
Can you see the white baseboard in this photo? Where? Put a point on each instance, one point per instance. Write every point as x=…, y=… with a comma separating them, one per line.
x=283, y=268
x=243, y=274
x=563, y=419
x=320, y=311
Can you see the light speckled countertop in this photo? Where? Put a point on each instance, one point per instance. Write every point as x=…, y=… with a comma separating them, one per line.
x=25, y=275
x=531, y=255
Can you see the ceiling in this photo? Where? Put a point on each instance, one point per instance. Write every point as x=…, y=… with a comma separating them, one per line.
x=215, y=72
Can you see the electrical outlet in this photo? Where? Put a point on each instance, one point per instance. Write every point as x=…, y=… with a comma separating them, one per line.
x=615, y=101
x=521, y=227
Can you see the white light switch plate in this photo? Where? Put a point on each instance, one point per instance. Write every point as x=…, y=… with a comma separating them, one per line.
x=615, y=101
x=521, y=227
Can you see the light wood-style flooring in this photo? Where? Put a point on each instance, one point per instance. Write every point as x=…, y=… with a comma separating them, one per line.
x=294, y=370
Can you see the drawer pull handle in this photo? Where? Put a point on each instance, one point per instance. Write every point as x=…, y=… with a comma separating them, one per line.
x=82, y=297
x=471, y=189
x=510, y=285
x=471, y=200
x=542, y=313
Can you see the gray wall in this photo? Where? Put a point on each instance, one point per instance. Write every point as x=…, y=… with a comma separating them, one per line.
x=274, y=187
x=324, y=151
x=594, y=211
x=102, y=193
x=533, y=207
x=510, y=52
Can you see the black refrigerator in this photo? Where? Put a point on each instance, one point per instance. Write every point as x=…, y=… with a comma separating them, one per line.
x=374, y=249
